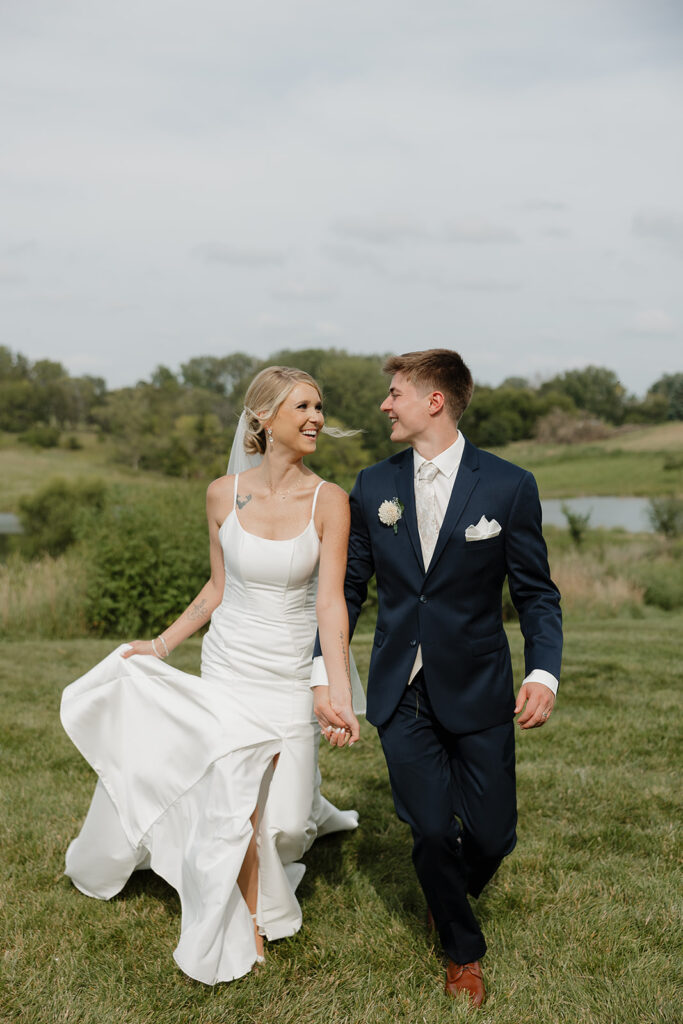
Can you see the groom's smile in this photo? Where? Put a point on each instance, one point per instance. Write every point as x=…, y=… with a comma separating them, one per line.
x=407, y=409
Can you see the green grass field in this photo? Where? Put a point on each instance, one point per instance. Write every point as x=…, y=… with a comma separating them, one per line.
x=583, y=919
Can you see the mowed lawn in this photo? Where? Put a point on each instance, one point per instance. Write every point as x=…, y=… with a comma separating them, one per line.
x=583, y=919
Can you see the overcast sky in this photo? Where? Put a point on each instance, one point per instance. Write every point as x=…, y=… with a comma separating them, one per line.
x=205, y=177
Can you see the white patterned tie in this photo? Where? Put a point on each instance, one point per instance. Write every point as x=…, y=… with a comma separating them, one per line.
x=425, y=507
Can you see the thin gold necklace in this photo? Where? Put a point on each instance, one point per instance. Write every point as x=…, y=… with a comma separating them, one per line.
x=283, y=494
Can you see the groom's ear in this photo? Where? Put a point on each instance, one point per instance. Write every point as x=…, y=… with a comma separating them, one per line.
x=436, y=402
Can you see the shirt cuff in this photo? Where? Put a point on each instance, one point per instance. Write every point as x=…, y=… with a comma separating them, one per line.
x=319, y=673
x=539, y=675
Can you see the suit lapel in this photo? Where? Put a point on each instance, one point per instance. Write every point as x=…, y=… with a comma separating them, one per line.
x=405, y=491
x=466, y=480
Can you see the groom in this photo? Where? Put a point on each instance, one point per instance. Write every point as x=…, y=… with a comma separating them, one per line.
x=441, y=524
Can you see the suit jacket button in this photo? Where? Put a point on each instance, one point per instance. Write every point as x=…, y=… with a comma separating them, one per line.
x=423, y=599
x=413, y=643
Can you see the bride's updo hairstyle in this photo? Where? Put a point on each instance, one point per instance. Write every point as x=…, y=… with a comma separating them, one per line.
x=265, y=395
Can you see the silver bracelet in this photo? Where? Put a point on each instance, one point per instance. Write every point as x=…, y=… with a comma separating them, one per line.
x=165, y=645
x=156, y=652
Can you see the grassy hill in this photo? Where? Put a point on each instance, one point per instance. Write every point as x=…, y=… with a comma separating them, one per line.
x=644, y=462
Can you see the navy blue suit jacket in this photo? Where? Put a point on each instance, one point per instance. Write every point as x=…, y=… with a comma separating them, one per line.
x=454, y=610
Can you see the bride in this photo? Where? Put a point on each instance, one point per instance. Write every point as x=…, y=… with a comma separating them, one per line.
x=213, y=781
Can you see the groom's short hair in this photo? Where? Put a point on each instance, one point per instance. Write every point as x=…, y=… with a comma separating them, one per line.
x=438, y=369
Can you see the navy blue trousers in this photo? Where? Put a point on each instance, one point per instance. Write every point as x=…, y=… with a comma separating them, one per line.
x=457, y=793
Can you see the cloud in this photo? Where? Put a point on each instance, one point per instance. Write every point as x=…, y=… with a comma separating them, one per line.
x=9, y=275
x=19, y=249
x=448, y=284
x=380, y=230
x=662, y=226
x=352, y=256
x=478, y=231
x=544, y=206
x=301, y=332
x=295, y=291
x=240, y=256
x=651, y=322
x=555, y=232
x=394, y=231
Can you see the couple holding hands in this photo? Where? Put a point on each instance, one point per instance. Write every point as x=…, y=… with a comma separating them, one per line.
x=212, y=781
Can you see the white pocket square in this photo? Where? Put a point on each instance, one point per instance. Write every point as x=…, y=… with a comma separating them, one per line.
x=484, y=530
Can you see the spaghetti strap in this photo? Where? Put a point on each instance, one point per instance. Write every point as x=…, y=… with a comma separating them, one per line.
x=315, y=497
x=234, y=499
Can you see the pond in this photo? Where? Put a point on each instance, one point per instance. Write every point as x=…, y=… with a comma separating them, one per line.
x=9, y=523
x=630, y=514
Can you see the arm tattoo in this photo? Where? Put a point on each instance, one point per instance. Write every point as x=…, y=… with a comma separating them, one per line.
x=197, y=611
x=346, y=660
x=243, y=499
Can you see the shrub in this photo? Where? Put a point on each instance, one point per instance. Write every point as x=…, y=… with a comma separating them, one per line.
x=666, y=516
x=146, y=559
x=562, y=427
x=41, y=436
x=50, y=516
x=577, y=523
x=664, y=587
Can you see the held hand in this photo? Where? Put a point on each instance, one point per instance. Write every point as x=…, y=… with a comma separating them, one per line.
x=338, y=724
x=539, y=700
x=139, y=647
x=351, y=723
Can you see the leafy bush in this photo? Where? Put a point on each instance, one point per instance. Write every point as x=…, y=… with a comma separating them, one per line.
x=672, y=462
x=664, y=588
x=146, y=558
x=41, y=436
x=577, y=523
x=50, y=516
x=666, y=516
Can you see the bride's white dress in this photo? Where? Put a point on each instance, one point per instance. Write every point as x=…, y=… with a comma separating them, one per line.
x=183, y=761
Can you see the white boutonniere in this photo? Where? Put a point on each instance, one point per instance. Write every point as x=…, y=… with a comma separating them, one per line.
x=390, y=512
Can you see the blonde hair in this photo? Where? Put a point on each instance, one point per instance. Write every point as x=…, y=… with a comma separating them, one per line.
x=264, y=396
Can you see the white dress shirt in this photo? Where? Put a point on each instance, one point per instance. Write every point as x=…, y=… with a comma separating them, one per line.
x=448, y=463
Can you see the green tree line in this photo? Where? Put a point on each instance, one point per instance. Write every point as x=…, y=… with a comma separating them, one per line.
x=182, y=422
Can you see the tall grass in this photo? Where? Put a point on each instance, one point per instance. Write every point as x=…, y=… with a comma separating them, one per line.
x=44, y=598
x=594, y=590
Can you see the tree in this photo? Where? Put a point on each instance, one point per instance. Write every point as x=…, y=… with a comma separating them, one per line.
x=670, y=386
x=595, y=389
x=19, y=405
x=219, y=374
x=13, y=367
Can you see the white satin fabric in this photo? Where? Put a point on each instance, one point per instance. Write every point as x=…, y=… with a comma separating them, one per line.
x=183, y=761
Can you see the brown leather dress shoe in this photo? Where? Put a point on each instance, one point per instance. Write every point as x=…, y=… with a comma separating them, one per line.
x=465, y=978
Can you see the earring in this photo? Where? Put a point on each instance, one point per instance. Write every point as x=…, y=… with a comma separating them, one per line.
x=269, y=432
